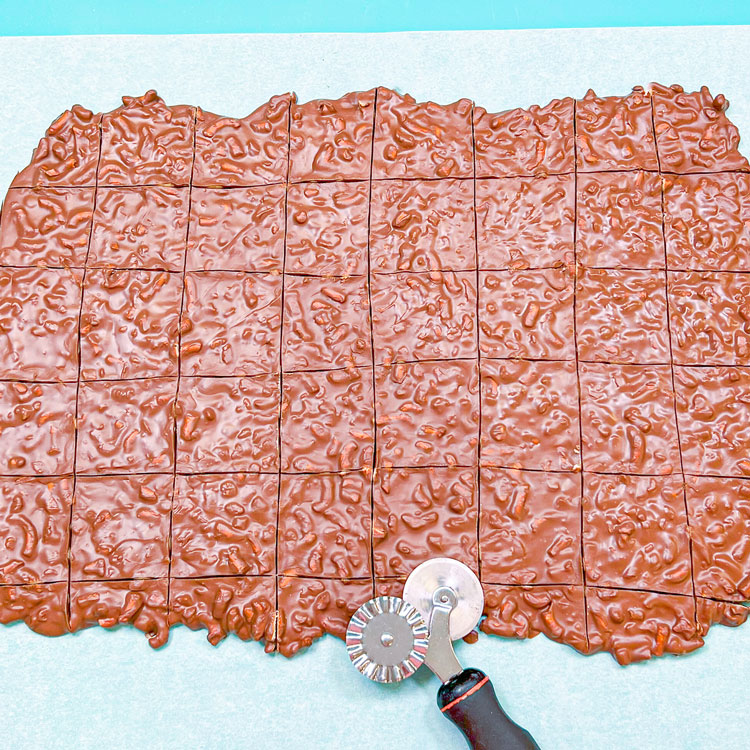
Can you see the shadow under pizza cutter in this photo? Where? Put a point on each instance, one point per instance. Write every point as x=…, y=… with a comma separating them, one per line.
x=389, y=638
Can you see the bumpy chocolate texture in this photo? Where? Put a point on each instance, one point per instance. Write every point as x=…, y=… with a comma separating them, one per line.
x=255, y=370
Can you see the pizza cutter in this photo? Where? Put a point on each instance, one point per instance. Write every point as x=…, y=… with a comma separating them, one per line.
x=389, y=638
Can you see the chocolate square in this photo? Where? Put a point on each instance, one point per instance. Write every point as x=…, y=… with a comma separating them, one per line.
x=619, y=222
x=692, y=132
x=237, y=230
x=710, y=318
x=526, y=611
x=40, y=605
x=327, y=228
x=231, y=323
x=45, y=227
x=327, y=421
x=418, y=316
x=331, y=139
x=244, y=606
x=129, y=323
x=34, y=516
x=622, y=316
x=530, y=415
x=143, y=227
x=635, y=533
x=424, y=513
x=526, y=314
x=324, y=525
x=719, y=511
x=247, y=151
x=309, y=608
x=228, y=424
x=525, y=222
x=710, y=612
x=707, y=221
x=145, y=142
x=224, y=524
x=68, y=153
x=628, y=419
x=523, y=142
x=530, y=527
x=39, y=322
x=126, y=426
x=37, y=428
x=142, y=604
x=326, y=323
x=615, y=132
x=713, y=409
x=427, y=414
x=636, y=625
x=422, y=225
x=421, y=140
x=120, y=527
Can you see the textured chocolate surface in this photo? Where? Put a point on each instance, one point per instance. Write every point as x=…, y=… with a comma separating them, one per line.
x=255, y=370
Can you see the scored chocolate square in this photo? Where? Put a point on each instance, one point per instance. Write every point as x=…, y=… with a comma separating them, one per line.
x=615, y=132
x=142, y=604
x=326, y=323
x=224, y=524
x=327, y=421
x=34, y=528
x=526, y=314
x=331, y=139
x=129, y=323
x=40, y=605
x=524, y=142
x=525, y=222
x=145, y=142
x=228, y=424
x=427, y=413
x=37, y=428
x=143, y=227
x=424, y=513
x=622, y=316
x=719, y=511
x=419, y=316
x=628, y=419
x=327, y=228
x=246, y=151
x=126, y=426
x=46, y=227
x=530, y=527
x=619, y=221
x=309, y=608
x=422, y=225
x=324, y=525
x=710, y=318
x=120, y=527
x=39, y=321
x=231, y=323
x=713, y=409
x=707, y=221
x=421, y=140
x=635, y=533
x=241, y=229
x=243, y=605
x=530, y=415
x=527, y=611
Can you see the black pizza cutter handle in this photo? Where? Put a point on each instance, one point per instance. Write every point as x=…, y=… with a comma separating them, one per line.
x=468, y=699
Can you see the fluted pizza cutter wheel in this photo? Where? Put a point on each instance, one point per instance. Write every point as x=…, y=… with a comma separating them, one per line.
x=389, y=638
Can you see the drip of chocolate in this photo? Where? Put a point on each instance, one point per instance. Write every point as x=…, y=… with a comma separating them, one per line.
x=253, y=371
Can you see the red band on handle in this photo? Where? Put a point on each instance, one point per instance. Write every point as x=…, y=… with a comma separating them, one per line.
x=460, y=698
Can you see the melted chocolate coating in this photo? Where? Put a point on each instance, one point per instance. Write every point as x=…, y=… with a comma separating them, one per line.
x=254, y=370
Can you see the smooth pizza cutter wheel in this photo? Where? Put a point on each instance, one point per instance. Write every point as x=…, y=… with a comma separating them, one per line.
x=388, y=640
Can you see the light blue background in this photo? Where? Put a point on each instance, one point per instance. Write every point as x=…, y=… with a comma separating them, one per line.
x=233, y=16
x=100, y=689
